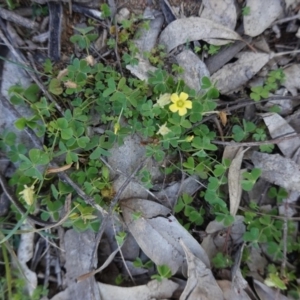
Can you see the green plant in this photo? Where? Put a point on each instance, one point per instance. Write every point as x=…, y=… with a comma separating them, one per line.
x=274, y=79
x=278, y=193
x=137, y=263
x=221, y=261
x=246, y=11
x=194, y=216
x=163, y=272
x=250, y=179
x=84, y=39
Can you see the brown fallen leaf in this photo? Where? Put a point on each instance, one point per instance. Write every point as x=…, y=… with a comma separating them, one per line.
x=60, y=169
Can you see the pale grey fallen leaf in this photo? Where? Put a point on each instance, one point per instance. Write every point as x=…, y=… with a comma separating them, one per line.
x=79, y=248
x=142, y=69
x=217, y=235
x=194, y=69
x=256, y=263
x=157, y=232
x=262, y=15
x=234, y=181
x=221, y=12
x=230, y=152
x=238, y=281
x=152, y=290
x=278, y=170
x=232, y=76
x=266, y=293
x=25, y=253
x=201, y=282
x=147, y=38
x=217, y=61
x=169, y=195
x=124, y=160
x=230, y=293
x=278, y=127
x=192, y=29
x=64, y=295
x=292, y=78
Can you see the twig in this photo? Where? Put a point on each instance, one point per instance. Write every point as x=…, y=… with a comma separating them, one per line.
x=252, y=144
x=15, y=18
x=111, y=208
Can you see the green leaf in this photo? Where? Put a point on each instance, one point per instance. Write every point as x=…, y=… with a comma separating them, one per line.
x=38, y=157
x=55, y=87
x=251, y=236
x=206, y=83
x=20, y=123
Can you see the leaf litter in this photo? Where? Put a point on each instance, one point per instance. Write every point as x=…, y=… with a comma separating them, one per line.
x=154, y=232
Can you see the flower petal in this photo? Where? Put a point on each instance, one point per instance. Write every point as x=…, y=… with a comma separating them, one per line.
x=188, y=104
x=174, y=98
x=173, y=108
x=182, y=111
x=183, y=96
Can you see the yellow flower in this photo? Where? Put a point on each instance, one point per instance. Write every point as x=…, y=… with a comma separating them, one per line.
x=163, y=100
x=116, y=128
x=189, y=138
x=163, y=129
x=28, y=194
x=180, y=103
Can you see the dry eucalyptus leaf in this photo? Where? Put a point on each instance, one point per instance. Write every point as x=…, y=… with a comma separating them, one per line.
x=266, y=293
x=217, y=236
x=234, y=181
x=194, y=69
x=292, y=78
x=277, y=127
x=230, y=293
x=221, y=12
x=232, y=76
x=152, y=290
x=25, y=253
x=290, y=148
x=191, y=29
x=147, y=38
x=262, y=15
x=169, y=195
x=125, y=159
x=278, y=170
x=79, y=248
x=157, y=232
x=201, y=282
x=142, y=69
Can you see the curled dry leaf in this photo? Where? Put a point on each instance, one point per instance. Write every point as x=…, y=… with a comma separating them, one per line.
x=194, y=69
x=262, y=15
x=234, y=181
x=233, y=76
x=278, y=127
x=230, y=293
x=201, y=283
x=266, y=293
x=218, y=233
x=221, y=12
x=292, y=78
x=25, y=253
x=157, y=232
x=57, y=170
x=152, y=290
x=278, y=170
x=192, y=29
